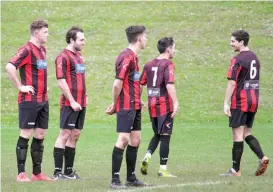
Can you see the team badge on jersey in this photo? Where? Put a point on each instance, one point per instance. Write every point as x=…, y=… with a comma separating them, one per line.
x=80, y=68
x=153, y=92
x=41, y=64
x=136, y=76
x=251, y=84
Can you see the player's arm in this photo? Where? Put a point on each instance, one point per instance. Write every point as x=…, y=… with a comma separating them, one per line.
x=122, y=69
x=12, y=74
x=61, y=63
x=229, y=91
x=66, y=91
x=18, y=61
x=117, y=87
x=169, y=80
x=172, y=92
x=232, y=73
x=143, y=82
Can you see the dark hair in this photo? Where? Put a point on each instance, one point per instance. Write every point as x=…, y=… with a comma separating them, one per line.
x=132, y=32
x=37, y=24
x=241, y=35
x=72, y=33
x=164, y=43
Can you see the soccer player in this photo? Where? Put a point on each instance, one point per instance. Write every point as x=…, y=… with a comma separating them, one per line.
x=127, y=104
x=32, y=99
x=243, y=94
x=158, y=75
x=70, y=73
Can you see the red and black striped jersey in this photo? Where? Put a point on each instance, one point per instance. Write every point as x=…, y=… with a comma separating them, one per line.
x=245, y=70
x=32, y=65
x=70, y=66
x=127, y=69
x=157, y=73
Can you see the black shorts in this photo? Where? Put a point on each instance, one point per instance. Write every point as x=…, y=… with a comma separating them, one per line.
x=70, y=119
x=239, y=118
x=128, y=120
x=162, y=124
x=33, y=115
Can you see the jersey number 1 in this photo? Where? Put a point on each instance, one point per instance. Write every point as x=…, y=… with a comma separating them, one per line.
x=155, y=75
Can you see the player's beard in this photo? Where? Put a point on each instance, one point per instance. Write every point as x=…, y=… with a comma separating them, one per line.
x=78, y=48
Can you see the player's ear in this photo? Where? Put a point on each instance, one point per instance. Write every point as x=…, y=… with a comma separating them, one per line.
x=71, y=40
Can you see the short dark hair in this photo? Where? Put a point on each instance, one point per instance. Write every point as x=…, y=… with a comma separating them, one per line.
x=37, y=24
x=241, y=35
x=164, y=43
x=72, y=33
x=132, y=32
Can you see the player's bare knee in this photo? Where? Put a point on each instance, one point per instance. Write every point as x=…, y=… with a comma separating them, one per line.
x=135, y=141
x=76, y=134
x=39, y=133
x=26, y=133
x=65, y=134
x=123, y=141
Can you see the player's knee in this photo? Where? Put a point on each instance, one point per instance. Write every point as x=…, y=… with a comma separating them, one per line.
x=40, y=133
x=247, y=134
x=64, y=134
x=238, y=137
x=135, y=141
x=26, y=133
x=123, y=141
x=76, y=134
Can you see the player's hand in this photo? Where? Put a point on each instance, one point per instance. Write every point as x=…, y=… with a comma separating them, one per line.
x=227, y=110
x=111, y=109
x=143, y=106
x=27, y=89
x=175, y=110
x=75, y=106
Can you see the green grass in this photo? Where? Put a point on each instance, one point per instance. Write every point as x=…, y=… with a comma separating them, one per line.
x=201, y=144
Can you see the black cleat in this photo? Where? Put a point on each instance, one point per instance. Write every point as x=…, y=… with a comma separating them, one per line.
x=135, y=183
x=59, y=176
x=116, y=184
x=72, y=176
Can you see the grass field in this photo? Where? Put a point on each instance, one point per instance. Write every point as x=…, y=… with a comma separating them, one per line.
x=201, y=144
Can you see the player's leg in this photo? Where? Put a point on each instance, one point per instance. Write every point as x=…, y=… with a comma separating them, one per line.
x=27, y=118
x=131, y=152
x=236, y=122
x=66, y=126
x=165, y=130
x=69, y=154
x=255, y=145
x=151, y=148
x=70, y=147
x=117, y=156
x=37, y=147
x=58, y=152
x=21, y=153
x=125, y=120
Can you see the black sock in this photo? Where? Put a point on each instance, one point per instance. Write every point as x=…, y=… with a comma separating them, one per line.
x=58, y=155
x=69, y=156
x=117, y=156
x=237, y=151
x=131, y=157
x=37, y=149
x=164, y=149
x=21, y=153
x=255, y=146
x=153, y=143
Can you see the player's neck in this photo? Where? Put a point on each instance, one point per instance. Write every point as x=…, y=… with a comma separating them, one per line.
x=134, y=48
x=35, y=42
x=163, y=56
x=71, y=48
x=244, y=49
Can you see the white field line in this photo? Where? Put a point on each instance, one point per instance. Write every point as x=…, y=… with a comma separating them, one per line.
x=205, y=183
